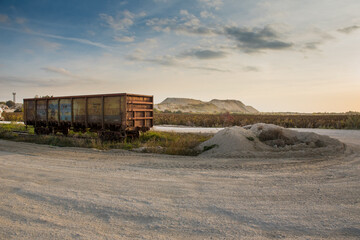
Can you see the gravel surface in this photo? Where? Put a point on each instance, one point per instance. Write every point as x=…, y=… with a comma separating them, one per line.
x=71, y=193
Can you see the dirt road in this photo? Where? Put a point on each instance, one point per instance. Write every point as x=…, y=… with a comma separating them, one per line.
x=70, y=193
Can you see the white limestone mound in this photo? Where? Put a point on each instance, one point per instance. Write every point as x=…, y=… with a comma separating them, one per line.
x=268, y=140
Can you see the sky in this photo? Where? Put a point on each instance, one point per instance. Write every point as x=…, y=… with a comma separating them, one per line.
x=275, y=55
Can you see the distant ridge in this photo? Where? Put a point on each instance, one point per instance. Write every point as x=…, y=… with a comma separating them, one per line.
x=197, y=106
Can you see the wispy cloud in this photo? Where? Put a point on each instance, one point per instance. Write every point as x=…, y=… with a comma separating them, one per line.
x=204, y=54
x=49, y=46
x=4, y=18
x=124, y=39
x=169, y=61
x=251, y=69
x=20, y=20
x=61, y=71
x=70, y=75
x=216, y=4
x=349, y=29
x=317, y=37
x=78, y=40
x=12, y=81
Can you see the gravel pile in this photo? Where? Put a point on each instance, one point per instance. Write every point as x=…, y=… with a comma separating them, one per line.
x=270, y=141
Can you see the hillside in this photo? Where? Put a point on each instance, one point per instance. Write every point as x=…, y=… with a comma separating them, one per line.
x=197, y=106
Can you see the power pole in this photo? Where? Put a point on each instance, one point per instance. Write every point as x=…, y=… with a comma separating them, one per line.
x=14, y=93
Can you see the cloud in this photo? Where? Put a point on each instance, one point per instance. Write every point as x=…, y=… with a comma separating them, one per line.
x=122, y=21
x=124, y=39
x=216, y=4
x=4, y=18
x=209, y=69
x=348, y=30
x=20, y=20
x=248, y=40
x=11, y=81
x=118, y=23
x=167, y=61
x=74, y=78
x=49, y=46
x=78, y=40
x=251, y=69
x=121, y=24
x=312, y=45
x=256, y=39
x=206, y=14
x=188, y=24
x=137, y=55
x=204, y=54
x=318, y=37
x=60, y=71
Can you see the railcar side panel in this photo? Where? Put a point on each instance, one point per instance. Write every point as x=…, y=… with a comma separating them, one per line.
x=112, y=113
x=79, y=110
x=29, y=110
x=94, y=110
x=65, y=110
x=53, y=109
x=41, y=110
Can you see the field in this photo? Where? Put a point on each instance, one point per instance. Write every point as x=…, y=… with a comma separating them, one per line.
x=334, y=121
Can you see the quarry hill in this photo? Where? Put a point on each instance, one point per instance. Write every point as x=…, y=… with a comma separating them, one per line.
x=197, y=106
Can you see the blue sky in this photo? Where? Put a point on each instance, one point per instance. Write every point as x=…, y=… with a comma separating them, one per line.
x=274, y=55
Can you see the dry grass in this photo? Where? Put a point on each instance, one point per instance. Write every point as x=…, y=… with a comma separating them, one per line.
x=154, y=142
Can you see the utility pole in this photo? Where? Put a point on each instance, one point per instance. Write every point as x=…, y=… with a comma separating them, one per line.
x=14, y=93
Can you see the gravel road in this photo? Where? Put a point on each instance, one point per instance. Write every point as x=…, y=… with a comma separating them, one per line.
x=71, y=193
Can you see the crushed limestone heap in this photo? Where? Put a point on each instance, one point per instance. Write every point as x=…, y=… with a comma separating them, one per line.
x=268, y=140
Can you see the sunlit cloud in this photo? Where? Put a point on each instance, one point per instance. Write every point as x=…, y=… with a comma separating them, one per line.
x=349, y=29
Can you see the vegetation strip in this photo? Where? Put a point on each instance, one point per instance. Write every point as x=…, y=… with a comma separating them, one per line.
x=331, y=121
x=151, y=142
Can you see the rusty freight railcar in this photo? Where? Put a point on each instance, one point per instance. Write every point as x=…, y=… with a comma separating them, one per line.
x=113, y=116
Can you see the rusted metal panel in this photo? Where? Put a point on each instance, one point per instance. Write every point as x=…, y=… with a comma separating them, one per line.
x=79, y=109
x=112, y=110
x=30, y=110
x=53, y=110
x=139, y=111
x=94, y=110
x=65, y=110
x=41, y=110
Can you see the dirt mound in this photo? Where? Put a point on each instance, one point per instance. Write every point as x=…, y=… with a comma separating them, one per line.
x=269, y=140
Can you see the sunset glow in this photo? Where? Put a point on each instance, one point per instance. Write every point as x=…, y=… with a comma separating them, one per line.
x=277, y=56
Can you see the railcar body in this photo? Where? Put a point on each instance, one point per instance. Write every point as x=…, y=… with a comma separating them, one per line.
x=113, y=116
